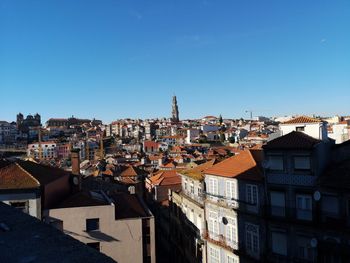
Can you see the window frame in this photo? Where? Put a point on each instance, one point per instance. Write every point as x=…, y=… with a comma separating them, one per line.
x=277, y=155
x=88, y=227
x=252, y=241
x=250, y=194
x=271, y=206
x=301, y=170
x=231, y=229
x=216, y=252
x=301, y=209
x=272, y=243
x=213, y=184
x=232, y=193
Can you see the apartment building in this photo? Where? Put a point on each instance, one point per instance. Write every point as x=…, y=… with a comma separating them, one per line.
x=187, y=216
x=293, y=165
x=233, y=210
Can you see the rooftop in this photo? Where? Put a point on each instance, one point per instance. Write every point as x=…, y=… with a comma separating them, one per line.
x=128, y=206
x=302, y=119
x=293, y=140
x=197, y=172
x=167, y=177
x=241, y=166
x=82, y=199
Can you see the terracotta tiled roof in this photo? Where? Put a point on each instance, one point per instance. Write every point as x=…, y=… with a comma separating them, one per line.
x=150, y=144
x=132, y=171
x=292, y=140
x=165, y=178
x=197, y=172
x=14, y=177
x=169, y=165
x=302, y=119
x=241, y=166
x=26, y=174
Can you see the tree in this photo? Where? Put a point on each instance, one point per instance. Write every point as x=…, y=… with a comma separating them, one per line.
x=220, y=120
x=222, y=137
x=232, y=139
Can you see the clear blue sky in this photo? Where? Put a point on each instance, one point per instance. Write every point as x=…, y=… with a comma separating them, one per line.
x=112, y=59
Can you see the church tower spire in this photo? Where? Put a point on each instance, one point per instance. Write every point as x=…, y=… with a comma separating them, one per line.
x=175, y=110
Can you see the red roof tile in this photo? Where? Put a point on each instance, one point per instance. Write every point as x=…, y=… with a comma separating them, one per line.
x=241, y=166
x=165, y=178
x=292, y=140
x=302, y=119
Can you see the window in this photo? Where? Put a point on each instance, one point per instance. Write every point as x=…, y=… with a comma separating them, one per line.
x=214, y=255
x=305, y=251
x=330, y=206
x=192, y=188
x=213, y=223
x=301, y=163
x=231, y=229
x=230, y=259
x=304, y=207
x=278, y=203
x=213, y=186
x=23, y=206
x=230, y=189
x=279, y=243
x=252, y=194
x=92, y=224
x=94, y=245
x=300, y=128
x=276, y=163
x=252, y=238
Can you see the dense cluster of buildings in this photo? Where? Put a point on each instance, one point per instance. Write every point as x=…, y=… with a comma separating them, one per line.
x=169, y=190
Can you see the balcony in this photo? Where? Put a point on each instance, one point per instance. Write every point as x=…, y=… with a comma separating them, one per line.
x=199, y=198
x=220, y=240
x=290, y=213
x=316, y=217
x=291, y=179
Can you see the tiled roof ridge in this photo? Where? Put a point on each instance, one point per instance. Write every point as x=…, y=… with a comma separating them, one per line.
x=251, y=157
x=31, y=176
x=303, y=119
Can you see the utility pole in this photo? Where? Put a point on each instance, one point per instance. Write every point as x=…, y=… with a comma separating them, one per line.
x=251, y=114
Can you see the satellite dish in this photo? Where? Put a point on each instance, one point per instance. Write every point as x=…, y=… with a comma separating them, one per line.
x=313, y=242
x=265, y=164
x=75, y=180
x=224, y=221
x=317, y=195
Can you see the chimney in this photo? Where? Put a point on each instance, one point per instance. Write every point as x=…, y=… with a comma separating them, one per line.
x=75, y=160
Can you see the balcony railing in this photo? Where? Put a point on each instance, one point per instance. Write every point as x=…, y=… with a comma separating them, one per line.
x=290, y=213
x=199, y=198
x=235, y=204
x=315, y=216
x=220, y=240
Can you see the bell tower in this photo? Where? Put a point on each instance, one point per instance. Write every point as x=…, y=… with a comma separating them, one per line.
x=175, y=110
